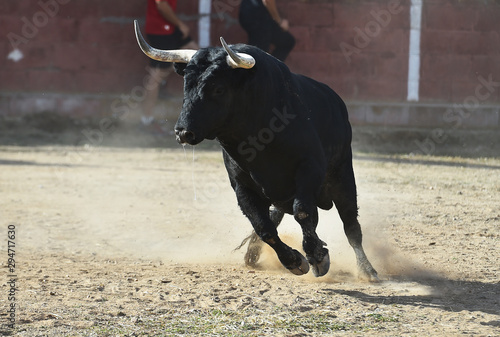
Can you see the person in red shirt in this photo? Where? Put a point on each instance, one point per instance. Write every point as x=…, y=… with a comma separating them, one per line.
x=164, y=30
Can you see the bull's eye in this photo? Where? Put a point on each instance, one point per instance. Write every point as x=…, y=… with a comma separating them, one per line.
x=219, y=90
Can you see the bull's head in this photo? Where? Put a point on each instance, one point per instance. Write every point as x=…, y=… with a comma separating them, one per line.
x=208, y=100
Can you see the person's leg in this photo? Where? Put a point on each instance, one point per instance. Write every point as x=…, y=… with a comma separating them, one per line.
x=282, y=40
x=259, y=38
x=270, y=33
x=156, y=76
x=159, y=71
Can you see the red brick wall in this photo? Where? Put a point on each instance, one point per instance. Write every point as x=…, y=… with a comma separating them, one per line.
x=78, y=49
x=359, y=66
x=88, y=46
x=460, y=42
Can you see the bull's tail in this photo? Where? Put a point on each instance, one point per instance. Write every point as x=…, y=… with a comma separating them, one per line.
x=245, y=240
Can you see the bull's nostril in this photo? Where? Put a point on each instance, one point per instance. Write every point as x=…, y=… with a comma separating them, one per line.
x=184, y=136
x=188, y=135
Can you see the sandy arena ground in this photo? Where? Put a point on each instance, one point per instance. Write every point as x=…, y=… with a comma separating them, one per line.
x=140, y=242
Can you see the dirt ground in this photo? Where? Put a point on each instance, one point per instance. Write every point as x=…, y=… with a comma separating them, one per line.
x=139, y=241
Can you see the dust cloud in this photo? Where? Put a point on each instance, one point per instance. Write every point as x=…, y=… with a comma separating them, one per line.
x=390, y=263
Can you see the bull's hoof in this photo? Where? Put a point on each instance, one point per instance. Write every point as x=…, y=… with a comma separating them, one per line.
x=302, y=268
x=251, y=259
x=252, y=255
x=369, y=275
x=321, y=268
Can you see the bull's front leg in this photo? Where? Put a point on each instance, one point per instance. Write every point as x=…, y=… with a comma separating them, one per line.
x=256, y=210
x=309, y=178
x=254, y=249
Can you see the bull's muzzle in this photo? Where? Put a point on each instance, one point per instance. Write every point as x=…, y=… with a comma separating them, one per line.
x=184, y=136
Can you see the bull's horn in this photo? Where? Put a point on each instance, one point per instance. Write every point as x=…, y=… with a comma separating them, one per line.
x=237, y=60
x=179, y=55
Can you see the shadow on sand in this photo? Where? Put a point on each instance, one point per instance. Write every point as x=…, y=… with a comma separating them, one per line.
x=446, y=294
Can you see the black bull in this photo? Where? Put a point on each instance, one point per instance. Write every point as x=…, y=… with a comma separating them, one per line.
x=286, y=143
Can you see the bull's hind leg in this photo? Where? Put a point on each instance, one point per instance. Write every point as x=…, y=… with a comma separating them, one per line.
x=343, y=189
x=257, y=211
x=255, y=243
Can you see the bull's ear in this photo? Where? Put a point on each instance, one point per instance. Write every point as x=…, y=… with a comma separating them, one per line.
x=179, y=68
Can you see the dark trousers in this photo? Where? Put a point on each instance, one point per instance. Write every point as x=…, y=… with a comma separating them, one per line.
x=265, y=33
